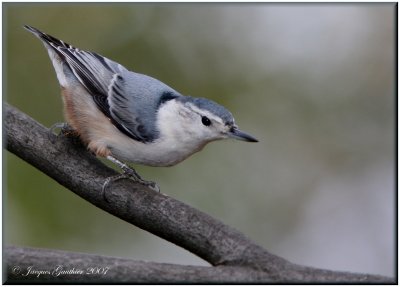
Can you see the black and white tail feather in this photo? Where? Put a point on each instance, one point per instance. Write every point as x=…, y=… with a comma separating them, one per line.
x=84, y=65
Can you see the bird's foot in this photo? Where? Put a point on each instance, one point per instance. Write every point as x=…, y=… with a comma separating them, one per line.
x=65, y=130
x=131, y=173
x=128, y=173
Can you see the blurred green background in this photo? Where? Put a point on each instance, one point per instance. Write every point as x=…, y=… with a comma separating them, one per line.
x=314, y=82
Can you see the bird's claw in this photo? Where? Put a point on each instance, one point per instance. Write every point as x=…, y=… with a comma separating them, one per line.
x=60, y=126
x=132, y=175
x=152, y=185
x=65, y=130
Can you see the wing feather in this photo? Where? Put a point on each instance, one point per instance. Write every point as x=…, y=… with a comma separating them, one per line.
x=114, y=89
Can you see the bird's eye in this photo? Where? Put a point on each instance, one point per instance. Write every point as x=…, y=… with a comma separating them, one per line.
x=206, y=121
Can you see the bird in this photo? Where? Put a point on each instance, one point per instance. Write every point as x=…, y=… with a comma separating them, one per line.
x=129, y=117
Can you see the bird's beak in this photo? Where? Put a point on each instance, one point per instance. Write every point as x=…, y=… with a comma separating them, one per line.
x=235, y=133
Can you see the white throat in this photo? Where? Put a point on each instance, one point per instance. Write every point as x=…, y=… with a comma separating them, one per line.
x=178, y=136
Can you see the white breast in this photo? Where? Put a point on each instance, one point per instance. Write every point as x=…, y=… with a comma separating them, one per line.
x=173, y=146
x=159, y=153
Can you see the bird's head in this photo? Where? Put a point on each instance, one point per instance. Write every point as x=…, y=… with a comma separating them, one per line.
x=199, y=121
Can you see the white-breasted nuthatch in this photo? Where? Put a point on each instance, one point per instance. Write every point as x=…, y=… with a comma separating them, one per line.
x=127, y=116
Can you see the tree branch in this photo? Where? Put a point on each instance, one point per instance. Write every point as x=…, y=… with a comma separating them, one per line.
x=117, y=270
x=74, y=167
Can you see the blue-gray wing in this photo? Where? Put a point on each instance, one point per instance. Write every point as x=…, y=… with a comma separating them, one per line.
x=134, y=100
x=105, y=82
x=129, y=99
